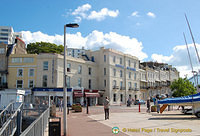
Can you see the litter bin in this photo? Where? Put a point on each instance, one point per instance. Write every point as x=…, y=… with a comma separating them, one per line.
x=54, y=126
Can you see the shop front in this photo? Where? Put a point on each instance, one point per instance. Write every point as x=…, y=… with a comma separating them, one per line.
x=52, y=95
x=91, y=96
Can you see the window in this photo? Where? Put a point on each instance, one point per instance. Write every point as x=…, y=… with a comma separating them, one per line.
x=134, y=64
x=68, y=67
x=79, y=69
x=104, y=83
x=28, y=60
x=135, y=85
x=114, y=72
x=129, y=75
x=121, y=74
x=68, y=82
x=114, y=58
x=20, y=72
x=30, y=83
x=120, y=61
x=19, y=84
x=5, y=30
x=89, y=83
x=79, y=82
x=129, y=63
x=31, y=72
x=44, y=81
x=89, y=71
x=135, y=76
x=104, y=58
x=114, y=83
x=4, y=34
x=2, y=50
x=16, y=60
x=114, y=97
x=45, y=65
x=92, y=58
x=104, y=71
x=129, y=85
x=121, y=97
x=121, y=84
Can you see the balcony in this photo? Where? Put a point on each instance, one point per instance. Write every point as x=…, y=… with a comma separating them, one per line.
x=136, y=89
x=122, y=88
x=3, y=85
x=115, y=87
x=143, y=87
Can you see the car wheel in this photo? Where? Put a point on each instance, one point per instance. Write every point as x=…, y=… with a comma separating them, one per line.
x=198, y=114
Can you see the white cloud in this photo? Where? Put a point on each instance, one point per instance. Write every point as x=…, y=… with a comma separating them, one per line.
x=135, y=14
x=82, y=12
x=92, y=41
x=180, y=59
x=150, y=14
x=102, y=14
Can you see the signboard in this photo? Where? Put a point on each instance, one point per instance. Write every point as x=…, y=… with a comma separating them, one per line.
x=51, y=89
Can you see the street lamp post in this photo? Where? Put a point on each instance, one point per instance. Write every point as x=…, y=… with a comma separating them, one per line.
x=64, y=81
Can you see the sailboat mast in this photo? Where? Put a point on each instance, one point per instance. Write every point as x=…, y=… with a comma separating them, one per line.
x=192, y=38
x=189, y=58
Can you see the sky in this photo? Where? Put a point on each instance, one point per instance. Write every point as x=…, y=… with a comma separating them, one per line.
x=151, y=30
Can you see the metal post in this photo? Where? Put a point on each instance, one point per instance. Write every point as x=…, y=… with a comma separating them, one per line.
x=139, y=107
x=64, y=88
x=87, y=106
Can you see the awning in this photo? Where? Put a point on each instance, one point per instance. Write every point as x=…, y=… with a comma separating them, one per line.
x=78, y=94
x=91, y=94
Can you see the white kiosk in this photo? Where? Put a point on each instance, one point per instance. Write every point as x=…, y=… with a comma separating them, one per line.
x=11, y=95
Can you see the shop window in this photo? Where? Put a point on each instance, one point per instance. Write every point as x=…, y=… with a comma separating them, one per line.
x=121, y=97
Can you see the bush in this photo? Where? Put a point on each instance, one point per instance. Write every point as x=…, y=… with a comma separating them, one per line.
x=77, y=107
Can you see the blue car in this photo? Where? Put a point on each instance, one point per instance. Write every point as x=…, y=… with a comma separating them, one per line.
x=139, y=101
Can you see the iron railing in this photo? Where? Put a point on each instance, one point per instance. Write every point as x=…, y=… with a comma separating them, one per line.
x=13, y=118
x=37, y=128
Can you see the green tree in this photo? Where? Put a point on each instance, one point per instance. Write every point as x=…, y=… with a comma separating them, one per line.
x=44, y=47
x=182, y=87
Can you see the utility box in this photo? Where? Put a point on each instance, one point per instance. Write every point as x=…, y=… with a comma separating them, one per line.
x=54, y=126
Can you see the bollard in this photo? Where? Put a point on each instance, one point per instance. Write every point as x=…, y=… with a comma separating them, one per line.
x=87, y=108
x=139, y=107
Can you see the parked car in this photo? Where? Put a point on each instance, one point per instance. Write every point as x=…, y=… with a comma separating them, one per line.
x=139, y=101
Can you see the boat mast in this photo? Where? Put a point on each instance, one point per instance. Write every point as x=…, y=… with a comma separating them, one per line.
x=189, y=58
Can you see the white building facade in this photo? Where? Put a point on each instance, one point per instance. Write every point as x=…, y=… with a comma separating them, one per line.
x=7, y=35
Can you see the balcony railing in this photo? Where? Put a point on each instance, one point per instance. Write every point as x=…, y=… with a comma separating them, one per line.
x=122, y=88
x=115, y=87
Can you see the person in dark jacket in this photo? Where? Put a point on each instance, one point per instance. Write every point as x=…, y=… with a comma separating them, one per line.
x=148, y=105
x=106, y=108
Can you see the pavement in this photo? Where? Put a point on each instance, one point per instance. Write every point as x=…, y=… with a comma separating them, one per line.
x=130, y=122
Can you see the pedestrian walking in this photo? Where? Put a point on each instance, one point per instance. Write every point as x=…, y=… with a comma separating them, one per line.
x=148, y=105
x=106, y=108
x=60, y=105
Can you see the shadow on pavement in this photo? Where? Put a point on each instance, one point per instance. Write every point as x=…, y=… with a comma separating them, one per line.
x=175, y=118
x=96, y=120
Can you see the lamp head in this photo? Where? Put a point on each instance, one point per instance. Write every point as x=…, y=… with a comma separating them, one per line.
x=72, y=25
